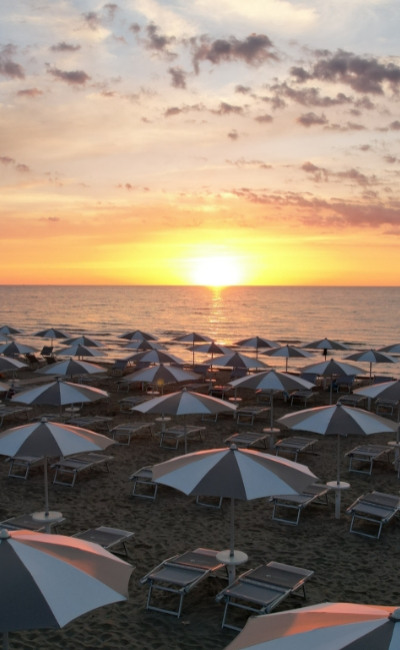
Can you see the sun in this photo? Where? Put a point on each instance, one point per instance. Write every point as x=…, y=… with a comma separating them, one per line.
x=216, y=271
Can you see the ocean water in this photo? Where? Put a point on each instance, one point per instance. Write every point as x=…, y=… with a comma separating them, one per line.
x=362, y=317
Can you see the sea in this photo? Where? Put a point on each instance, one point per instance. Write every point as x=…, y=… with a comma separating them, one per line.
x=360, y=317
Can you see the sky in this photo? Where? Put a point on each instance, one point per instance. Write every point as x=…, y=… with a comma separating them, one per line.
x=200, y=142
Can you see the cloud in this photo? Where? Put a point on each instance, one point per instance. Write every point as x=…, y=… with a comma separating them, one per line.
x=8, y=67
x=311, y=119
x=228, y=109
x=362, y=74
x=310, y=96
x=233, y=135
x=73, y=77
x=264, y=119
x=159, y=43
x=178, y=77
x=6, y=160
x=92, y=19
x=253, y=50
x=65, y=47
x=320, y=174
x=29, y=92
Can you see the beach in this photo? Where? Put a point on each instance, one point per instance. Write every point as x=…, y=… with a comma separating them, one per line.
x=346, y=567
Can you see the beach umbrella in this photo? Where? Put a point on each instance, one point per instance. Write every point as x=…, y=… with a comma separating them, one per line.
x=391, y=349
x=236, y=360
x=339, y=420
x=50, y=440
x=371, y=356
x=185, y=402
x=138, y=335
x=193, y=337
x=70, y=368
x=60, y=393
x=213, y=348
x=327, y=626
x=160, y=375
x=387, y=390
x=233, y=473
x=325, y=345
x=7, y=330
x=332, y=369
x=86, y=341
x=79, y=350
x=51, y=333
x=8, y=363
x=272, y=382
x=156, y=356
x=256, y=342
x=49, y=580
x=287, y=352
x=15, y=348
x=143, y=345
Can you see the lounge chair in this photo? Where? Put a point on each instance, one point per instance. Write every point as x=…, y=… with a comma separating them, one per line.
x=108, y=538
x=179, y=432
x=374, y=509
x=295, y=445
x=367, y=455
x=67, y=469
x=180, y=574
x=249, y=439
x=144, y=476
x=315, y=493
x=122, y=433
x=20, y=465
x=27, y=522
x=262, y=589
x=247, y=414
x=302, y=396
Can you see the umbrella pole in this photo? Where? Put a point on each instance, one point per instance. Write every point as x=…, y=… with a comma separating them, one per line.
x=46, y=489
x=338, y=495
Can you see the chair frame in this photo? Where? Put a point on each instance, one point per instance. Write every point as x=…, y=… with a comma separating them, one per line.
x=376, y=508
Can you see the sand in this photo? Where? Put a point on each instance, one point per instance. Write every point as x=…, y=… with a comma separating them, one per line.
x=347, y=567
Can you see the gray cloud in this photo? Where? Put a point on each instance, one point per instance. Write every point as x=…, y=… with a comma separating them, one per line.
x=253, y=50
x=8, y=67
x=311, y=119
x=65, y=47
x=73, y=77
x=178, y=77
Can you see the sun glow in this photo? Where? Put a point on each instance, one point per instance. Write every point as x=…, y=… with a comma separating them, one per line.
x=217, y=271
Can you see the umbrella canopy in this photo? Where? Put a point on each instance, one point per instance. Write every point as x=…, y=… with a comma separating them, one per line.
x=325, y=345
x=212, y=348
x=257, y=343
x=51, y=333
x=50, y=439
x=287, y=352
x=143, y=345
x=272, y=382
x=60, y=393
x=332, y=369
x=371, y=356
x=236, y=360
x=8, y=363
x=7, y=330
x=193, y=337
x=331, y=626
x=71, y=368
x=15, y=348
x=138, y=335
x=48, y=580
x=160, y=375
x=185, y=402
x=156, y=356
x=85, y=341
x=79, y=350
x=391, y=349
x=337, y=420
x=233, y=473
x=386, y=390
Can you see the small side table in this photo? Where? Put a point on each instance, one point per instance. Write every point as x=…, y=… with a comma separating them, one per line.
x=338, y=487
x=163, y=421
x=272, y=435
x=48, y=519
x=232, y=561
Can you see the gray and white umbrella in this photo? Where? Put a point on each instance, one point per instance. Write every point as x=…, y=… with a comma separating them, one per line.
x=7, y=330
x=371, y=356
x=14, y=348
x=160, y=375
x=84, y=340
x=394, y=348
x=326, y=344
x=233, y=473
x=287, y=352
x=60, y=393
x=71, y=368
x=51, y=333
x=325, y=626
x=10, y=364
x=236, y=360
x=257, y=343
x=332, y=369
x=193, y=337
x=49, y=580
x=79, y=350
x=50, y=440
x=272, y=382
x=183, y=403
x=155, y=356
x=138, y=335
x=337, y=420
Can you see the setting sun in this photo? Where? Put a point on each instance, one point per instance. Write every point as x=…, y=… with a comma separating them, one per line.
x=217, y=271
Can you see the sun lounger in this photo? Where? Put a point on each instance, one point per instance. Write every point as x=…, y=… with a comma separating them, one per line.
x=122, y=433
x=375, y=508
x=67, y=469
x=249, y=439
x=352, y=399
x=247, y=414
x=302, y=396
x=367, y=454
x=144, y=476
x=315, y=493
x=98, y=422
x=108, y=538
x=178, y=575
x=177, y=433
x=386, y=406
x=262, y=589
x=27, y=522
x=20, y=465
x=295, y=445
